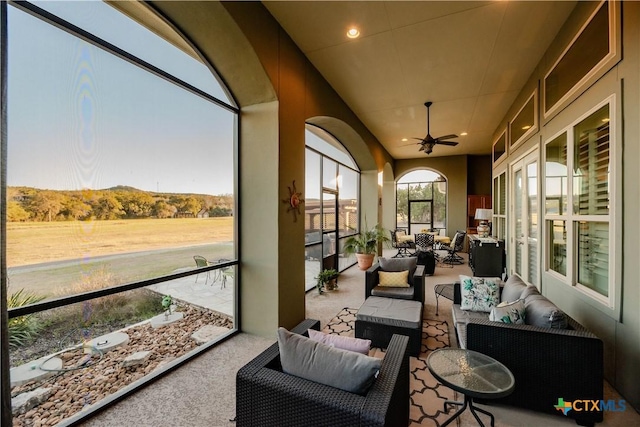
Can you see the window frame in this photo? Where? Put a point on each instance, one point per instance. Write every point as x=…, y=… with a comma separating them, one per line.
x=611, y=303
x=607, y=62
x=533, y=129
x=503, y=140
x=329, y=139
x=75, y=31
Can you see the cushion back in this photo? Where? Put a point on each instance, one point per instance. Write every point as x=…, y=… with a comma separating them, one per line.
x=512, y=290
x=399, y=264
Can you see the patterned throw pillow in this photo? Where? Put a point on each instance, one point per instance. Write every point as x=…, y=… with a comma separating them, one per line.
x=479, y=293
x=394, y=279
x=511, y=312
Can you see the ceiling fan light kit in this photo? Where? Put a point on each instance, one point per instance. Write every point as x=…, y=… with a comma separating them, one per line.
x=428, y=142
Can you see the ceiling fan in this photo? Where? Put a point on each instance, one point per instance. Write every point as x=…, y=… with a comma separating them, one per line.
x=428, y=142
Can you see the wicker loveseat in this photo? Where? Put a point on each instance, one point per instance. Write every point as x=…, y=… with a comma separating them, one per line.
x=266, y=396
x=547, y=363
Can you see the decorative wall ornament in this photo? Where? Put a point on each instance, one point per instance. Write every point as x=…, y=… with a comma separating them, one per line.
x=294, y=201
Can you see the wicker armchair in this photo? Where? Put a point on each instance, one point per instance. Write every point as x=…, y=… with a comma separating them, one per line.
x=265, y=396
x=414, y=292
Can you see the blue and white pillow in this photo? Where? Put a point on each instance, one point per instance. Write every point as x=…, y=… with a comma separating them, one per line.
x=509, y=312
x=479, y=293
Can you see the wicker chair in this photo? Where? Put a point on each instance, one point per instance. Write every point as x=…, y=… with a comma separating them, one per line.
x=265, y=396
x=415, y=291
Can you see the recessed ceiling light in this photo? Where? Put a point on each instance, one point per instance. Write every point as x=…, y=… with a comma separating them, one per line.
x=404, y=140
x=463, y=134
x=353, y=33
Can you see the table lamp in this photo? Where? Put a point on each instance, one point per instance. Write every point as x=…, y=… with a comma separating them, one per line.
x=483, y=215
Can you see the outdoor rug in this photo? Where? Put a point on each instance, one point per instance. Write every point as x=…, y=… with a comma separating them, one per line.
x=427, y=394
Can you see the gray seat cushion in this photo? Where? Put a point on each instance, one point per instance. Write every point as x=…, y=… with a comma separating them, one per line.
x=461, y=318
x=393, y=292
x=391, y=312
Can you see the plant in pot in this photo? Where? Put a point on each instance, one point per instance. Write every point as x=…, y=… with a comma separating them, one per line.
x=327, y=279
x=365, y=245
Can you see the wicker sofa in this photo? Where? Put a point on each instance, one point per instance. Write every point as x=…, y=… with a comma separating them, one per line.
x=547, y=363
x=265, y=396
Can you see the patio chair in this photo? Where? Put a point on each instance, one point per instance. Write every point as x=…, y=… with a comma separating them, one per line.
x=403, y=247
x=222, y=274
x=202, y=262
x=425, y=253
x=266, y=396
x=456, y=246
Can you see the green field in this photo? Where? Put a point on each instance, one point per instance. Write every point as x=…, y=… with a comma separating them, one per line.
x=52, y=258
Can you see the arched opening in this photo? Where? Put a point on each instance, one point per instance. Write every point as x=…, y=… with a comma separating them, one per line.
x=331, y=205
x=421, y=202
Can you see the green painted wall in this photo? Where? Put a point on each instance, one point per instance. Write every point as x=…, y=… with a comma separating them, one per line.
x=617, y=326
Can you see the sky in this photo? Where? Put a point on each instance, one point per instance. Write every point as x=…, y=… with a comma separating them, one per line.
x=79, y=117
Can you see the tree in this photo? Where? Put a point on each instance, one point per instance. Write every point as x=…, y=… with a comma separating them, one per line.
x=136, y=204
x=74, y=208
x=15, y=212
x=108, y=207
x=45, y=205
x=162, y=209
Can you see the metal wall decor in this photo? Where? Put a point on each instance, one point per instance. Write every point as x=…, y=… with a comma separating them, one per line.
x=294, y=201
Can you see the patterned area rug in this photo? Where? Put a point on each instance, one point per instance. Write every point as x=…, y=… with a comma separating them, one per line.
x=427, y=394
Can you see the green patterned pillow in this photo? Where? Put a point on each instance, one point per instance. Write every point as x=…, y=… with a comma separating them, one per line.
x=511, y=312
x=479, y=293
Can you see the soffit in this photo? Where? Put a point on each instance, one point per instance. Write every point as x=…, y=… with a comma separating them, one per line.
x=470, y=58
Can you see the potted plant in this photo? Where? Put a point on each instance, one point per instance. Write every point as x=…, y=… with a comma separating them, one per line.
x=365, y=245
x=327, y=279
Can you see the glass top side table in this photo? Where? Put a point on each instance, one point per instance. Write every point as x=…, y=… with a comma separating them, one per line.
x=473, y=374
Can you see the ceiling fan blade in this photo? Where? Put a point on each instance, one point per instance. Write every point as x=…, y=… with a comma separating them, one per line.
x=421, y=148
x=451, y=136
x=451, y=143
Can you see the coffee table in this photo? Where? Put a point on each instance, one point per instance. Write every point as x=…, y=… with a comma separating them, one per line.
x=473, y=374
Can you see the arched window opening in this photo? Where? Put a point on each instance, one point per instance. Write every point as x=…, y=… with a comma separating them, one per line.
x=421, y=202
x=121, y=195
x=331, y=203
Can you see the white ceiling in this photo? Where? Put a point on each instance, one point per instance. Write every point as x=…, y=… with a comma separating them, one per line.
x=470, y=58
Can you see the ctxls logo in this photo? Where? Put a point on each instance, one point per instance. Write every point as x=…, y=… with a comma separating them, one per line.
x=590, y=405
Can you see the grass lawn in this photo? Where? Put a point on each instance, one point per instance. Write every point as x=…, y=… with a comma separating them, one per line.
x=53, y=258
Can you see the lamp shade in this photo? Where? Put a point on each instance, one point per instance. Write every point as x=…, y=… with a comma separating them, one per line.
x=483, y=214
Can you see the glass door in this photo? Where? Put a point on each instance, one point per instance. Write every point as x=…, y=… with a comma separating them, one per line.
x=329, y=230
x=525, y=240
x=420, y=215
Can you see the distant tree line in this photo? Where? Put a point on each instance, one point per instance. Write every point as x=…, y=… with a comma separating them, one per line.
x=32, y=204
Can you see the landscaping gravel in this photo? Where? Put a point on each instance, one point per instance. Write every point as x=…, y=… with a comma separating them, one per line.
x=92, y=378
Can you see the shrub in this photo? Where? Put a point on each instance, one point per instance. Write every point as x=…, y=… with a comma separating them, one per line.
x=23, y=329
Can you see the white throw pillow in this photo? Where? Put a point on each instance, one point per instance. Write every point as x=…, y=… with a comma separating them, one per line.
x=338, y=341
x=512, y=312
x=479, y=293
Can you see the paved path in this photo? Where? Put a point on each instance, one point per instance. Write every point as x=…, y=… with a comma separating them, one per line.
x=193, y=290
